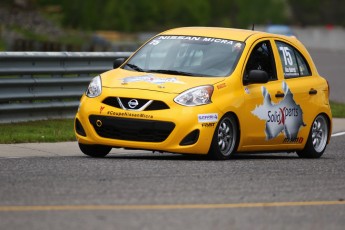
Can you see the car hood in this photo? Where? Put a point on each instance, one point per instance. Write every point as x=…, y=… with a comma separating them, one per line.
x=120, y=78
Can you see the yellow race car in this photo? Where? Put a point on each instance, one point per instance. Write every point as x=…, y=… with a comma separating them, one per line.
x=214, y=91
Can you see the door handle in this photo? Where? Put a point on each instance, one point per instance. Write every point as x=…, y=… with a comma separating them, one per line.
x=278, y=94
x=312, y=92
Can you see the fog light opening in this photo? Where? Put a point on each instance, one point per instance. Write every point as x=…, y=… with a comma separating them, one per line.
x=191, y=138
x=79, y=128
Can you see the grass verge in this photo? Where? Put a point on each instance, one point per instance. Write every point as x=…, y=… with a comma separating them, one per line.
x=62, y=130
x=338, y=109
x=37, y=131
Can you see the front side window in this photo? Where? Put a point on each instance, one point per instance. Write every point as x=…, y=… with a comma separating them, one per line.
x=187, y=55
x=293, y=63
x=261, y=58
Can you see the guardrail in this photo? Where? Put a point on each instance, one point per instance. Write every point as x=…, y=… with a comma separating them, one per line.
x=47, y=85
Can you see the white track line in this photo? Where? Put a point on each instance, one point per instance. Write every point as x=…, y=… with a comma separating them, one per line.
x=338, y=134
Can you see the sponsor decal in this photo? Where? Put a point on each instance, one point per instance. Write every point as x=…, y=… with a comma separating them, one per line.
x=151, y=79
x=291, y=71
x=296, y=140
x=154, y=42
x=190, y=38
x=246, y=90
x=221, y=86
x=207, y=125
x=193, y=38
x=284, y=117
x=101, y=109
x=289, y=61
x=208, y=117
x=128, y=114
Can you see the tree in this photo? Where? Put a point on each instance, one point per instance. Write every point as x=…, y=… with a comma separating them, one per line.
x=157, y=15
x=317, y=12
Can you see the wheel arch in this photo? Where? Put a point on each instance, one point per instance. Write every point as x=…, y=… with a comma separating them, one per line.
x=316, y=144
x=232, y=113
x=329, y=125
x=225, y=138
x=329, y=122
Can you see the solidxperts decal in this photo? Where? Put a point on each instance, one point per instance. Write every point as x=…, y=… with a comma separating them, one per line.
x=151, y=79
x=285, y=116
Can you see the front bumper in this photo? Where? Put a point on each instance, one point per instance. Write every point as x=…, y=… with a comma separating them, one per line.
x=176, y=129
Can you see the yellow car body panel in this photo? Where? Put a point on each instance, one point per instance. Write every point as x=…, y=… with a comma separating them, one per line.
x=175, y=84
x=262, y=115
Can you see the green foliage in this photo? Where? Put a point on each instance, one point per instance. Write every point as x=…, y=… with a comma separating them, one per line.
x=2, y=45
x=311, y=12
x=260, y=12
x=28, y=34
x=157, y=15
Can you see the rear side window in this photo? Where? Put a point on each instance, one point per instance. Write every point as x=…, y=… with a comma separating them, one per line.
x=293, y=63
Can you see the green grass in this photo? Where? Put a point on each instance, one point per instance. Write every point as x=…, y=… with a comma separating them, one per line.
x=62, y=130
x=37, y=131
x=338, y=109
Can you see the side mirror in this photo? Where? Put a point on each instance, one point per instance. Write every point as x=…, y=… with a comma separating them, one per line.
x=118, y=62
x=256, y=76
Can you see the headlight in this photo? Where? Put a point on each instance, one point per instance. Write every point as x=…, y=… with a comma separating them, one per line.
x=95, y=87
x=196, y=96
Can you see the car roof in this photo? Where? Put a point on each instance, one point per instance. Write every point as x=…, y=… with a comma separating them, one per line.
x=219, y=32
x=242, y=35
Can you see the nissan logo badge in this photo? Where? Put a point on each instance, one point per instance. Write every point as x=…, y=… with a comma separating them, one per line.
x=133, y=103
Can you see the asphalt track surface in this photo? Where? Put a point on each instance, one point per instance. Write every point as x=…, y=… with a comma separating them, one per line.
x=53, y=186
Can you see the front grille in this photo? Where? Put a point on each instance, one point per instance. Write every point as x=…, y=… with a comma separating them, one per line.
x=131, y=129
x=143, y=104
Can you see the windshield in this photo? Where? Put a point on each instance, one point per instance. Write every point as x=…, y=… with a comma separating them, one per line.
x=187, y=55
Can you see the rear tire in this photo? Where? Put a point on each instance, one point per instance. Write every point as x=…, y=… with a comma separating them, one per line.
x=317, y=139
x=225, y=138
x=97, y=151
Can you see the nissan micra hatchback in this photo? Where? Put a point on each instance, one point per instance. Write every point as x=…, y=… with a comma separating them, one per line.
x=214, y=91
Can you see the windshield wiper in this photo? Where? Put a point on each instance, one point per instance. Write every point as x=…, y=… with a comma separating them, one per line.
x=135, y=67
x=168, y=71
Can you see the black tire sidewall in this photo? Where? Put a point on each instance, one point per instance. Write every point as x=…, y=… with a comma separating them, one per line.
x=97, y=151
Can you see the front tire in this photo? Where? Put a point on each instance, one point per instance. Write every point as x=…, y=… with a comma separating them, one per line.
x=317, y=139
x=97, y=151
x=225, y=138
